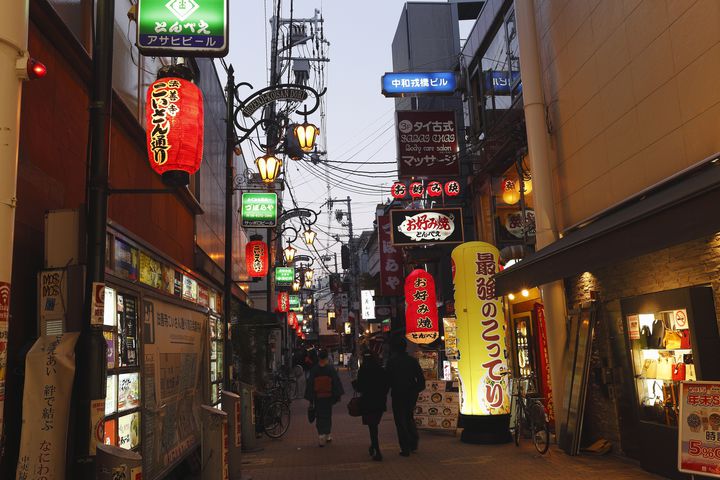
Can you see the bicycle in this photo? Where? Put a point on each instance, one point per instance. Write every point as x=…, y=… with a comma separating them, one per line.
x=529, y=413
x=284, y=386
x=272, y=414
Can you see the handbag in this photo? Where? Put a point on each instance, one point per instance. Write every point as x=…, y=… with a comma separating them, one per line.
x=672, y=340
x=649, y=368
x=353, y=406
x=665, y=368
x=311, y=413
x=658, y=334
x=678, y=372
x=684, y=339
x=645, y=336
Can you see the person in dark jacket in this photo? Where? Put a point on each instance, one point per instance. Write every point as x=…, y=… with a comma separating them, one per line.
x=406, y=382
x=372, y=384
x=323, y=390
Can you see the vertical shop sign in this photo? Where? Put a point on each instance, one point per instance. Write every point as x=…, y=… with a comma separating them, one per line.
x=451, y=346
x=49, y=373
x=183, y=28
x=427, y=144
x=391, y=274
x=481, y=330
x=421, y=315
x=544, y=373
x=699, y=436
x=4, y=316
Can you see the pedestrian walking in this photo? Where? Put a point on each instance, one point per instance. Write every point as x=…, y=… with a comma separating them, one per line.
x=372, y=384
x=323, y=390
x=406, y=382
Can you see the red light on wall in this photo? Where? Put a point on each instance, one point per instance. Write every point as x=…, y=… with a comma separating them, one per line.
x=36, y=69
x=256, y=259
x=175, y=123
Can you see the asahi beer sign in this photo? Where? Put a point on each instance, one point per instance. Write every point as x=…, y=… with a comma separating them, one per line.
x=427, y=144
x=419, y=227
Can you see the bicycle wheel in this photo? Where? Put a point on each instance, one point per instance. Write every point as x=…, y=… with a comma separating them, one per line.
x=276, y=419
x=540, y=428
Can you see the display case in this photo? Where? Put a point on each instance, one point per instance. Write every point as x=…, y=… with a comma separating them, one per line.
x=122, y=398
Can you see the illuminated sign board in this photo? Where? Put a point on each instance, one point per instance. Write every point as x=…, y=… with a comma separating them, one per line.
x=284, y=275
x=400, y=84
x=259, y=209
x=183, y=28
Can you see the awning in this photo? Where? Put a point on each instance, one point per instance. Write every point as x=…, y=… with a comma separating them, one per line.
x=680, y=211
x=253, y=318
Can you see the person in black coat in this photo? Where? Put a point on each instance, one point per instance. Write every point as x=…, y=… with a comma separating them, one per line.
x=372, y=383
x=406, y=382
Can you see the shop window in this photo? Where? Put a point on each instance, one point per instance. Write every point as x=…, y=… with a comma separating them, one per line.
x=122, y=398
x=514, y=216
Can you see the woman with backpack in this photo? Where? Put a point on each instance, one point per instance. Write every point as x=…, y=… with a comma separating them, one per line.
x=372, y=384
x=323, y=390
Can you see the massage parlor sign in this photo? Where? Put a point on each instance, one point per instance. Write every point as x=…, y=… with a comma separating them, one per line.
x=699, y=436
x=481, y=330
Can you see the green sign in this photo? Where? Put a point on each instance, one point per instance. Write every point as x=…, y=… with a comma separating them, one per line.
x=295, y=303
x=183, y=28
x=284, y=276
x=259, y=209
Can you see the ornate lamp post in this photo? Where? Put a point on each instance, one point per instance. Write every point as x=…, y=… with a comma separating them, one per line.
x=269, y=167
x=289, y=254
x=309, y=236
x=306, y=133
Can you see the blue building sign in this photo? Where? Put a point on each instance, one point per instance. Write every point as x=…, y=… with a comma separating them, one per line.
x=498, y=83
x=418, y=83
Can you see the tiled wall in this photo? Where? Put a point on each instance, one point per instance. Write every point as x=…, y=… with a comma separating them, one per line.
x=632, y=95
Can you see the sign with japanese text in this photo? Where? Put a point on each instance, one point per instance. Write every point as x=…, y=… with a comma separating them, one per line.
x=699, y=436
x=295, y=303
x=419, y=227
x=259, y=209
x=4, y=317
x=49, y=373
x=391, y=263
x=481, y=330
x=438, y=406
x=183, y=28
x=171, y=389
x=427, y=144
x=284, y=275
x=401, y=84
x=517, y=227
x=450, y=330
x=421, y=314
x=544, y=362
x=367, y=301
x=499, y=82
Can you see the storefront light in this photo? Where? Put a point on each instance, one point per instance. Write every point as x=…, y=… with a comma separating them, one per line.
x=511, y=296
x=510, y=193
x=525, y=293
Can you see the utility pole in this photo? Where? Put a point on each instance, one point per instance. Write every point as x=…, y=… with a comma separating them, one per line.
x=91, y=356
x=229, y=191
x=353, y=270
x=13, y=54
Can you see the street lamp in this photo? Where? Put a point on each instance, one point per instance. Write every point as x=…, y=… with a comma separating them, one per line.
x=269, y=167
x=296, y=286
x=309, y=236
x=309, y=275
x=308, y=284
x=306, y=134
x=289, y=254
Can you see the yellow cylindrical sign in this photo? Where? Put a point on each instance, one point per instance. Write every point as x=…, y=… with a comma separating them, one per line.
x=481, y=331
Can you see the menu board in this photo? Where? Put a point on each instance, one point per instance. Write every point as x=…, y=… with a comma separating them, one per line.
x=438, y=406
x=699, y=436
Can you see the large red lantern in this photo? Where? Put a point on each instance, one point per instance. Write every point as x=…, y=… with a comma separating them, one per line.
x=292, y=319
x=283, y=302
x=452, y=188
x=416, y=189
x=421, y=314
x=174, y=126
x=399, y=190
x=256, y=258
x=434, y=189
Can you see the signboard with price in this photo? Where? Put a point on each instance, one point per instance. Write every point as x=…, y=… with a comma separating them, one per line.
x=699, y=436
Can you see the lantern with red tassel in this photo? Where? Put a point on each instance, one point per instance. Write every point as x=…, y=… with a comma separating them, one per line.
x=421, y=314
x=256, y=258
x=174, y=126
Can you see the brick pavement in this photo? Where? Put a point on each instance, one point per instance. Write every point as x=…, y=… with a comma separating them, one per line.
x=441, y=455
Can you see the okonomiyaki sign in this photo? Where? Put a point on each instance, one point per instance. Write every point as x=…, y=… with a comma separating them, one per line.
x=416, y=227
x=481, y=331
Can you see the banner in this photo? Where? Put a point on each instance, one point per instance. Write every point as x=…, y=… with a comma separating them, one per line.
x=427, y=144
x=391, y=264
x=699, y=436
x=544, y=363
x=481, y=331
x=49, y=373
x=171, y=388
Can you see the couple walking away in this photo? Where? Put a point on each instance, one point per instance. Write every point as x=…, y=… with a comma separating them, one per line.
x=403, y=378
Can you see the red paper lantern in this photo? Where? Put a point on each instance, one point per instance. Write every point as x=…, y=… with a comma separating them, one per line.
x=256, y=258
x=452, y=188
x=416, y=189
x=292, y=319
x=421, y=314
x=174, y=126
x=399, y=190
x=434, y=189
x=283, y=302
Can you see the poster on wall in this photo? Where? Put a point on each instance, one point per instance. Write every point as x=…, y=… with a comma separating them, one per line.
x=171, y=388
x=699, y=436
x=150, y=271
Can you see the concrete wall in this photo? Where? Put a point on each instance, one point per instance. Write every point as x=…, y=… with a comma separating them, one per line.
x=632, y=95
